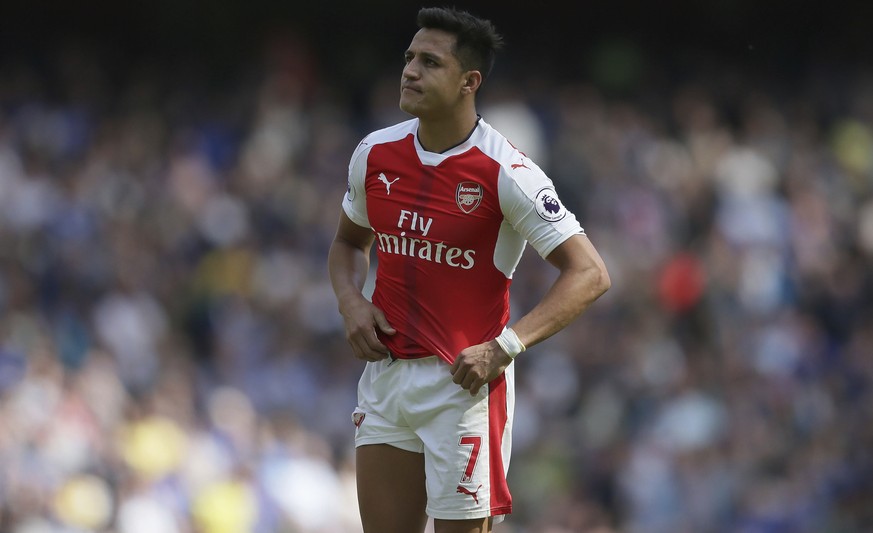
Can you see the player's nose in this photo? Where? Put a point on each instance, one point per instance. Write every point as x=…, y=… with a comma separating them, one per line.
x=410, y=71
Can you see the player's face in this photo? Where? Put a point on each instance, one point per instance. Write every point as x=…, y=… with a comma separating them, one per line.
x=433, y=77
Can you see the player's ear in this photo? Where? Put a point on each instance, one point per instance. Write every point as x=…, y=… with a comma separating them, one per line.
x=472, y=81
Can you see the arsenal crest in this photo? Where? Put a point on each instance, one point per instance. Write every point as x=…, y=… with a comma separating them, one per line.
x=468, y=196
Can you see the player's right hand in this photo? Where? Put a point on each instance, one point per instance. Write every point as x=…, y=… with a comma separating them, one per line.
x=361, y=319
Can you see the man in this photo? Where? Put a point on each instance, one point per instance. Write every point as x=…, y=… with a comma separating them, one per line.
x=450, y=205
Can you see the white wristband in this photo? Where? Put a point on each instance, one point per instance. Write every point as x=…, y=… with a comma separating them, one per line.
x=510, y=342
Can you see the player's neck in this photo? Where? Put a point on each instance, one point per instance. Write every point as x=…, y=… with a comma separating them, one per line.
x=439, y=135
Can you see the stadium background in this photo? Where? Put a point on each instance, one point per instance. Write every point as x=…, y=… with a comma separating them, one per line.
x=170, y=172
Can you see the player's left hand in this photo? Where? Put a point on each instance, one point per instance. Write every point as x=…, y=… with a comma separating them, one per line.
x=480, y=364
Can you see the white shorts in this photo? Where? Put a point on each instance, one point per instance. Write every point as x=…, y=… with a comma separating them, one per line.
x=413, y=404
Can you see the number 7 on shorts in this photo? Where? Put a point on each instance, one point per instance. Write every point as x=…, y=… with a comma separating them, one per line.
x=474, y=442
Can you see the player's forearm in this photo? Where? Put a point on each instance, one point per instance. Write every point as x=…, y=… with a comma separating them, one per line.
x=347, y=267
x=572, y=293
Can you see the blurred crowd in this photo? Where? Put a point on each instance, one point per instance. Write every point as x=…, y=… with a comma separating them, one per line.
x=172, y=361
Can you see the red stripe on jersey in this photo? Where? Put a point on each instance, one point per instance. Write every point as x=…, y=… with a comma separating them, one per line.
x=501, y=500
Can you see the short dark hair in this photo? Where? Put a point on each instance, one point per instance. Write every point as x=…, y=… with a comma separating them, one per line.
x=476, y=39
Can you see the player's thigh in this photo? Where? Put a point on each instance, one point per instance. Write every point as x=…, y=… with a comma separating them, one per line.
x=478, y=525
x=391, y=489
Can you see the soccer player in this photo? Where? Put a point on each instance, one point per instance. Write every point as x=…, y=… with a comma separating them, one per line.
x=450, y=205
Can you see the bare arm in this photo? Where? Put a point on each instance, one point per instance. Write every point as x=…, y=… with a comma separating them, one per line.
x=582, y=279
x=348, y=263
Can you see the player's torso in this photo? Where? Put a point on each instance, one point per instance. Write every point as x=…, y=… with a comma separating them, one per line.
x=446, y=214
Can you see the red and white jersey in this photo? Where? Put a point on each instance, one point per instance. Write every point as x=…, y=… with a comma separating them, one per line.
x=450, y=229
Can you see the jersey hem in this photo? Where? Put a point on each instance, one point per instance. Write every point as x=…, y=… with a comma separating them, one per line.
x=395, y=355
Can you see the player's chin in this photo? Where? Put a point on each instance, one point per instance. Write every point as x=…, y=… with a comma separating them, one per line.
x=411, y=103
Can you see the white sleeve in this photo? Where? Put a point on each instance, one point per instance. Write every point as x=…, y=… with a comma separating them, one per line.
x=531, y=205
x=355, y=199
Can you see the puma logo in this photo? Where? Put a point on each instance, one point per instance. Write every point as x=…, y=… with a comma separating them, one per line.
x=387, y=183
x=468, y=492
x=519, y=165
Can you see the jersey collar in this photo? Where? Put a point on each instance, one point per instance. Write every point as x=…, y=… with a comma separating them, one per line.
x=434, y=159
